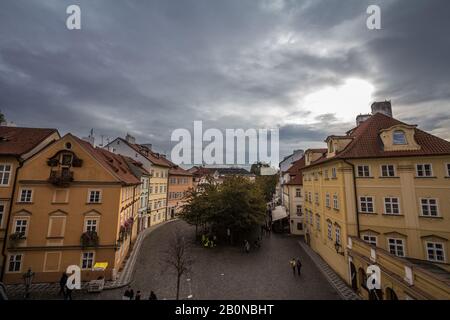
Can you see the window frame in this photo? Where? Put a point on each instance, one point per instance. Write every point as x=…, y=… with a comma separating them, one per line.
x=429, y=208
x=363, y=167
x=424, y=170
x=399, y=213
x=366, y=202
x=394, y=169
x=82, y=260
x=86, y=224
x=21, y=190
x=100, y=196
x=370, y=241
x=2, y=173
x=329, y=230
x=8, y=270
x=403, y=133
x=26, y=226
x=2, y=212
x=434, y=243
x=403, y=245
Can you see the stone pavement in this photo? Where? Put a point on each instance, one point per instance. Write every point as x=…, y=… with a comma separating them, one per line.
x=341, y=287
x=42, y=290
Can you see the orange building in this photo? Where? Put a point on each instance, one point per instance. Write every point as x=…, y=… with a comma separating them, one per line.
x=73, y=205
x=180, y=181
x=16, y=146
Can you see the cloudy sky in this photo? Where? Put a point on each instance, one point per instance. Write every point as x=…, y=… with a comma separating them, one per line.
x=149, y=67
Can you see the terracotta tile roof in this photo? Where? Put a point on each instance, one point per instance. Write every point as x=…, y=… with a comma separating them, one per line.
x=16, y=141
x=115, y=163
x=200, y=171
x=153, y=157
x=178, y=171
x=296, y=172
x=367, y=143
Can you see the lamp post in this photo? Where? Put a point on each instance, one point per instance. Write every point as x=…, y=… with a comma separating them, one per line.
x=28, y=279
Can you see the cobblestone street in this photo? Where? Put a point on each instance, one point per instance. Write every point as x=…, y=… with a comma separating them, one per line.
x=227, y=272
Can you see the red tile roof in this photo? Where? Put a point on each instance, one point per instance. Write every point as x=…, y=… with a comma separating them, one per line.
x=153, y=157
x=295, y=172
x=115, y=163
x=366, y=142
x=16, y=141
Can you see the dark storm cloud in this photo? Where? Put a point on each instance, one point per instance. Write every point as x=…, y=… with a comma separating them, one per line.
x=150, y=67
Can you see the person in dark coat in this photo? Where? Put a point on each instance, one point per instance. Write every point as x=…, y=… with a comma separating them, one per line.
x=299, y=266
x=138, y=295
x=62, y=284
x=152, y=296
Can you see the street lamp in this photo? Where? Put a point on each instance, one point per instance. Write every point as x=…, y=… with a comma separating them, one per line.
x=28, y=279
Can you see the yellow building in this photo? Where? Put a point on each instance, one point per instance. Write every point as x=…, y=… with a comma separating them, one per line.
x=385, y=182
x=73, y=205
x=158, y=167
x=16, y=146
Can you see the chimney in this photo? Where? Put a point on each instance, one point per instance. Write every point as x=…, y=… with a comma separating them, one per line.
x=361, y=118
x=130, y=139
x=382, y=107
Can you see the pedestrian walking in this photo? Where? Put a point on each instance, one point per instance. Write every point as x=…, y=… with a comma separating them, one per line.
x=299, y=266
x=152, y=296
x=293, y=264
x=62, y=284
x=138, y=295
x=246, y=246
x=68, y=295
x=127, y=295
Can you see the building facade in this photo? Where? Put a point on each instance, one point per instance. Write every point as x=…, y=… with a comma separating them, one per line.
x=157, y=166
x=293, y=191
x=180, y=182
x=385, y=182
x=16, y=146
x=73, y=205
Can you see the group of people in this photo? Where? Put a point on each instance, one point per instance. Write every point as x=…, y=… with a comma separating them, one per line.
x=129, y=295
x=296, y=266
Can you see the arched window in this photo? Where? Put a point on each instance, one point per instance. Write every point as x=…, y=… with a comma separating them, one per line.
x=399, y=137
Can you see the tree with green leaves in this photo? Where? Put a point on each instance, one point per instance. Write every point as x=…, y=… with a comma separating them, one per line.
x=2, y=117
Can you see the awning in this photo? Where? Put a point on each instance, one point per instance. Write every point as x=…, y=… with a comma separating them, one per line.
x=100, y=266
x=279, y=213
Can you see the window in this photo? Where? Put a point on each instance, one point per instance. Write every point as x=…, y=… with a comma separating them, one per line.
x=448, y=169
x=299, y=210
x=21, y=226
x=26, y=195
x=387, y=170
x=338, y=234
x=330, y=230
x=298, y=192
x=91, y=225
x=311, y=219
x=399, y=137
x=318, y=222
x=327, y=200
x=335, y=202
x=316, y=198
x=391, y=206
x=5, y=173
x=372, y=240
x=424, y=170
x=15, y=263
x=397, y=247
x=2, y=213
x=326, y=174
x=363, y=171
x=95, y=196
x=299, y=226
x=429, y=207
x=66, y=159
x=87, y=260
x=333, y=173
x=435, y=251
x=366, y=204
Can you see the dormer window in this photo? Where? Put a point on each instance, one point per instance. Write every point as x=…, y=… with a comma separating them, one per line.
x=399, y=137
x=66, y=159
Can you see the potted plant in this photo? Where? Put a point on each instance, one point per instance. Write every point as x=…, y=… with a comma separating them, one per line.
x=89, y=239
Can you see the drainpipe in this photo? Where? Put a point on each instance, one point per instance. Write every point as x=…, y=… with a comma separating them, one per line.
x=356, y=197
x=8, y=221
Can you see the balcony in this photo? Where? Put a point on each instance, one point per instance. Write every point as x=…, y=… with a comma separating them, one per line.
x=61, y=178
x=89, y=239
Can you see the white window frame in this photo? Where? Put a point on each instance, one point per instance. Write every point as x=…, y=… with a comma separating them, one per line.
x=391, y=204
x=2, y=212
x=327, y=200
x=335, y=201
x=370, y=239
x=20, y=263
x=87, y=224
x=423, y=170
x=403, y=135
x=26, y=226
x=298, y=192
x=364, y=166
x=87, y=259
x=21, y=191
x=333, y=173
x=387, y=170
x=403, y=245
x=100, y=196
x=3, y=172
x=429, y=207
x=447, y=169
x=434, y=243
x=318, y=222
x=330, y=230
x=366, y=202
x=337, y=233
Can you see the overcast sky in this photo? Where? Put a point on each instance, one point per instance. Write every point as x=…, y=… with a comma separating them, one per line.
x=149, y=67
